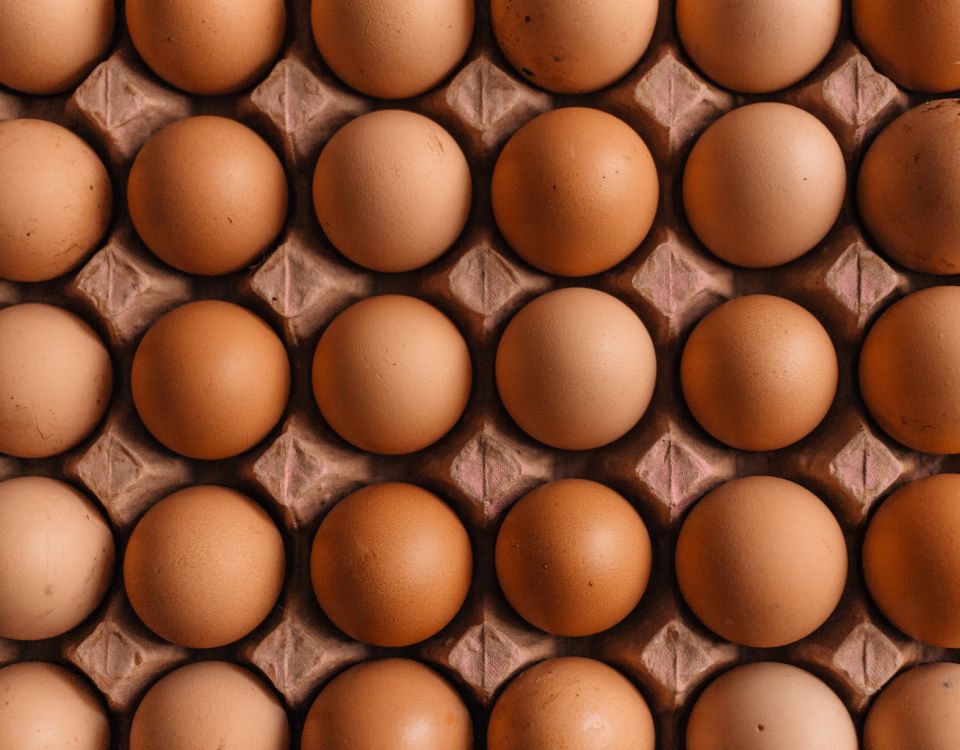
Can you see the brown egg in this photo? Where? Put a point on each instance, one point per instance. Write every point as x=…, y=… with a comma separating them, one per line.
x=208, y=46
x=208, y=706
x=911, y=561
x=919, y=709
x=573, y=557
x=45, y=707
x=55, y=199
x=56, y=558
x=913, y=43
x=391, y=564
x=909, y=367
x=55, y=377
x=210, y=379
x=759, y=372
x=392, y=48
x=570, y=703
x=575, y=191
x=49, y=46
x=204, y=566
x=769, y=706
x=909, y=188
x=758, y=46
x=391, y=374
x=392, y=190
x=576, y=368
x=389, y=704
x=761, y=561
x=573, y=48
x=207, y=195
x=764, y=184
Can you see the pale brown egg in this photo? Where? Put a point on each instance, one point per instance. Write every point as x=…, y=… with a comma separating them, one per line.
x=918, y=709
x=56, y=558
x=764, y=184
x=575, y=191
x=570, y=703
x=49, y=46
x=913, y=43
x=204, y=566
x=391, y=564
x=576, y=368
x=391, y=374
x=573, y=557
x=909, y=370
x=388, y=704
x=55, y=377
x=210, y=379
x=46, y=707
x=573, y=48
x=911, y=561
x=55, y=199
x=758, y=46
x=769, y=706
x=761, y=561
x=392, y=190
x=210, y=705
x=909, y=188
x=392, y=49
x=759, y=372
x=207, y=195
x=208, y=46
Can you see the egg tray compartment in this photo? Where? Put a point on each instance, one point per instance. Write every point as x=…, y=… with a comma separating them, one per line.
x=663, y=465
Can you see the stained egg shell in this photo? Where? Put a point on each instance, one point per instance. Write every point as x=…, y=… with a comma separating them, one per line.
x=919, y=708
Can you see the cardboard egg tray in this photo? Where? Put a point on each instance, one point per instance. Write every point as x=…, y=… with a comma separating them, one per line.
x=485, y=463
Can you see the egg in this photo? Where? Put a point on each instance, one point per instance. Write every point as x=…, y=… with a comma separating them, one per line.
x=391, y=564
x=49, y=46
x=761, y=561
x=570, y=703
x=55, y=377
x=575, y=191
x=45, y=706
x=210, y=705
x=208, y=46
x=769, y=706
x=210, y=379
x=392, y=190
x=758, y=46
x=909, y=367
x=388, y=704
x=55, y=199
x=573, y=48
x=576, y=368
x=913, y=43
x=908, y=191
x=391, y=374
x=911, y=561
x=573, y=557
x=764, y=184
x=207, y=195
x=759, y=372
x=392, y=49
x=56, y=558
x=204, y=566
x=919, y=708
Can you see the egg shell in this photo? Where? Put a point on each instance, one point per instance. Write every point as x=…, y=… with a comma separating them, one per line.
x=392, y=190
x=204, y=566
x=388, y=704
x=919, y=708
x=575, y=191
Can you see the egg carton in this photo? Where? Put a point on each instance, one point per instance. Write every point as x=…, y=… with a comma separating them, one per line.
x=485, y=463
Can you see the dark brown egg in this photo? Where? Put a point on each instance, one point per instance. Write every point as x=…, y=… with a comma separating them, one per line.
x=920, y=708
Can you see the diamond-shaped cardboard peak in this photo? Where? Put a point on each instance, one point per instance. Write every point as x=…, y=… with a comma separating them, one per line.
x=304, y=108
x=10, y=107
x=860, y=279
x=864, y=468
x=867, y=659
x=9, y=651
x=124, y=105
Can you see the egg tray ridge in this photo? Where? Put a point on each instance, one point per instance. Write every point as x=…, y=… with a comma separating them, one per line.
x=485, y=463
